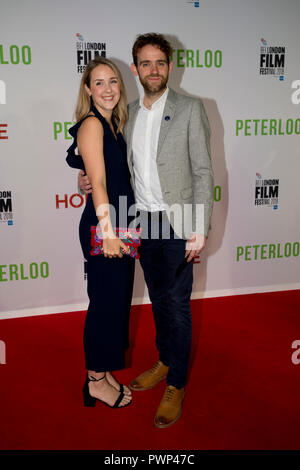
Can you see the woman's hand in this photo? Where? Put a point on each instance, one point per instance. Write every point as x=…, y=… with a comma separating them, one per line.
x=112, y=248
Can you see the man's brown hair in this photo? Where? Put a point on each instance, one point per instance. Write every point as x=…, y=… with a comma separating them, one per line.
x=155, y=39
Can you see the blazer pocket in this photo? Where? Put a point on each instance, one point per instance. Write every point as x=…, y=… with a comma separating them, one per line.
x=186, y=193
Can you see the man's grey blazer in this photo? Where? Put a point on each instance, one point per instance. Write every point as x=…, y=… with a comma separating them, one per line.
x=183, y=162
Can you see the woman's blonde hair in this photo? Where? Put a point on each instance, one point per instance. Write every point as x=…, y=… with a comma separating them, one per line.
x=83, y=105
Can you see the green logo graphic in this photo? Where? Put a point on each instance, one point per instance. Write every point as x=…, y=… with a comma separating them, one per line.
x=267, y=251
x=15, y=55
x=60, y=129
x=195, y=58
x=15, y=272
x=250, y=127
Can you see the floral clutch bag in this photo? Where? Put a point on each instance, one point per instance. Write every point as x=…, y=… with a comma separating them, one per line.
x=129, y=236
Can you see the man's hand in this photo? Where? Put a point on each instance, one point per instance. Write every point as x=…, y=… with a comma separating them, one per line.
x=84, y=183
x=194, y=246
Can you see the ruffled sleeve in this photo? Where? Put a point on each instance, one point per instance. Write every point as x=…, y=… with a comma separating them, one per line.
x=72, y=159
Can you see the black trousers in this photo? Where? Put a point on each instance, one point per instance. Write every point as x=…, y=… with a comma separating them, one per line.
x=169, y=279
x=106, y=329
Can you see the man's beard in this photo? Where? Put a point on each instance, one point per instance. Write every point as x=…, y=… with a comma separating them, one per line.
x=154, y=88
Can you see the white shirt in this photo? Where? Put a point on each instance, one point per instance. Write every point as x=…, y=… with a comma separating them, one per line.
x=144, y=146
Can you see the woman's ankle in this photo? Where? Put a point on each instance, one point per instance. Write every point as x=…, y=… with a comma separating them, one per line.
x=96, y=376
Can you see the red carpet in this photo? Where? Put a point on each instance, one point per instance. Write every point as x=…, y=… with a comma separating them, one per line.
x=243, y=391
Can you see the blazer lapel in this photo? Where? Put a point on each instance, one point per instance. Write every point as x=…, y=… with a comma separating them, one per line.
x=166, y=120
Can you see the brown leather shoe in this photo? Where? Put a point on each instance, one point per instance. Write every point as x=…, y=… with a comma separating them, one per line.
x=150, y=378
x=169, y=410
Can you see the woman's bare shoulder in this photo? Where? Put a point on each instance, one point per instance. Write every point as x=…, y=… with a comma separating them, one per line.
x=91, y=124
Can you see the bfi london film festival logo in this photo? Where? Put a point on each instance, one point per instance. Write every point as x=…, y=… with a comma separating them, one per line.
x=272, y=60
x=86, y=51
x=266, y=192
x=6, y=212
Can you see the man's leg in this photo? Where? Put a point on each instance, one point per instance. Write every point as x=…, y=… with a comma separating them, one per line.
x=169, y=280
x=151, y=258
x=178, y=282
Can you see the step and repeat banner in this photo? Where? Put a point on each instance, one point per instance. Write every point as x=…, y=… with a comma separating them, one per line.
x=240, y=57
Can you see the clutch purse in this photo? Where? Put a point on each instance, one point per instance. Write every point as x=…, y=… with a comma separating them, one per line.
x=129, y=236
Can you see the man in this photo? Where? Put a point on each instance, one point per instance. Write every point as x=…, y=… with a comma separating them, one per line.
x=169, y=160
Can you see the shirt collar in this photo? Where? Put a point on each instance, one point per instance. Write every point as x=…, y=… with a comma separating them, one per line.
x=160, y=102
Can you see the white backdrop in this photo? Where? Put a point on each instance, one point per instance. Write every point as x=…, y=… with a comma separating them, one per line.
x=240, y=57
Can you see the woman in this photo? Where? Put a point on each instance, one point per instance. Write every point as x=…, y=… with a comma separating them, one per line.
x=101, y=114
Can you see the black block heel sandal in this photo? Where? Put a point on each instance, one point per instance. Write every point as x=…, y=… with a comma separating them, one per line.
x=90, y=401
